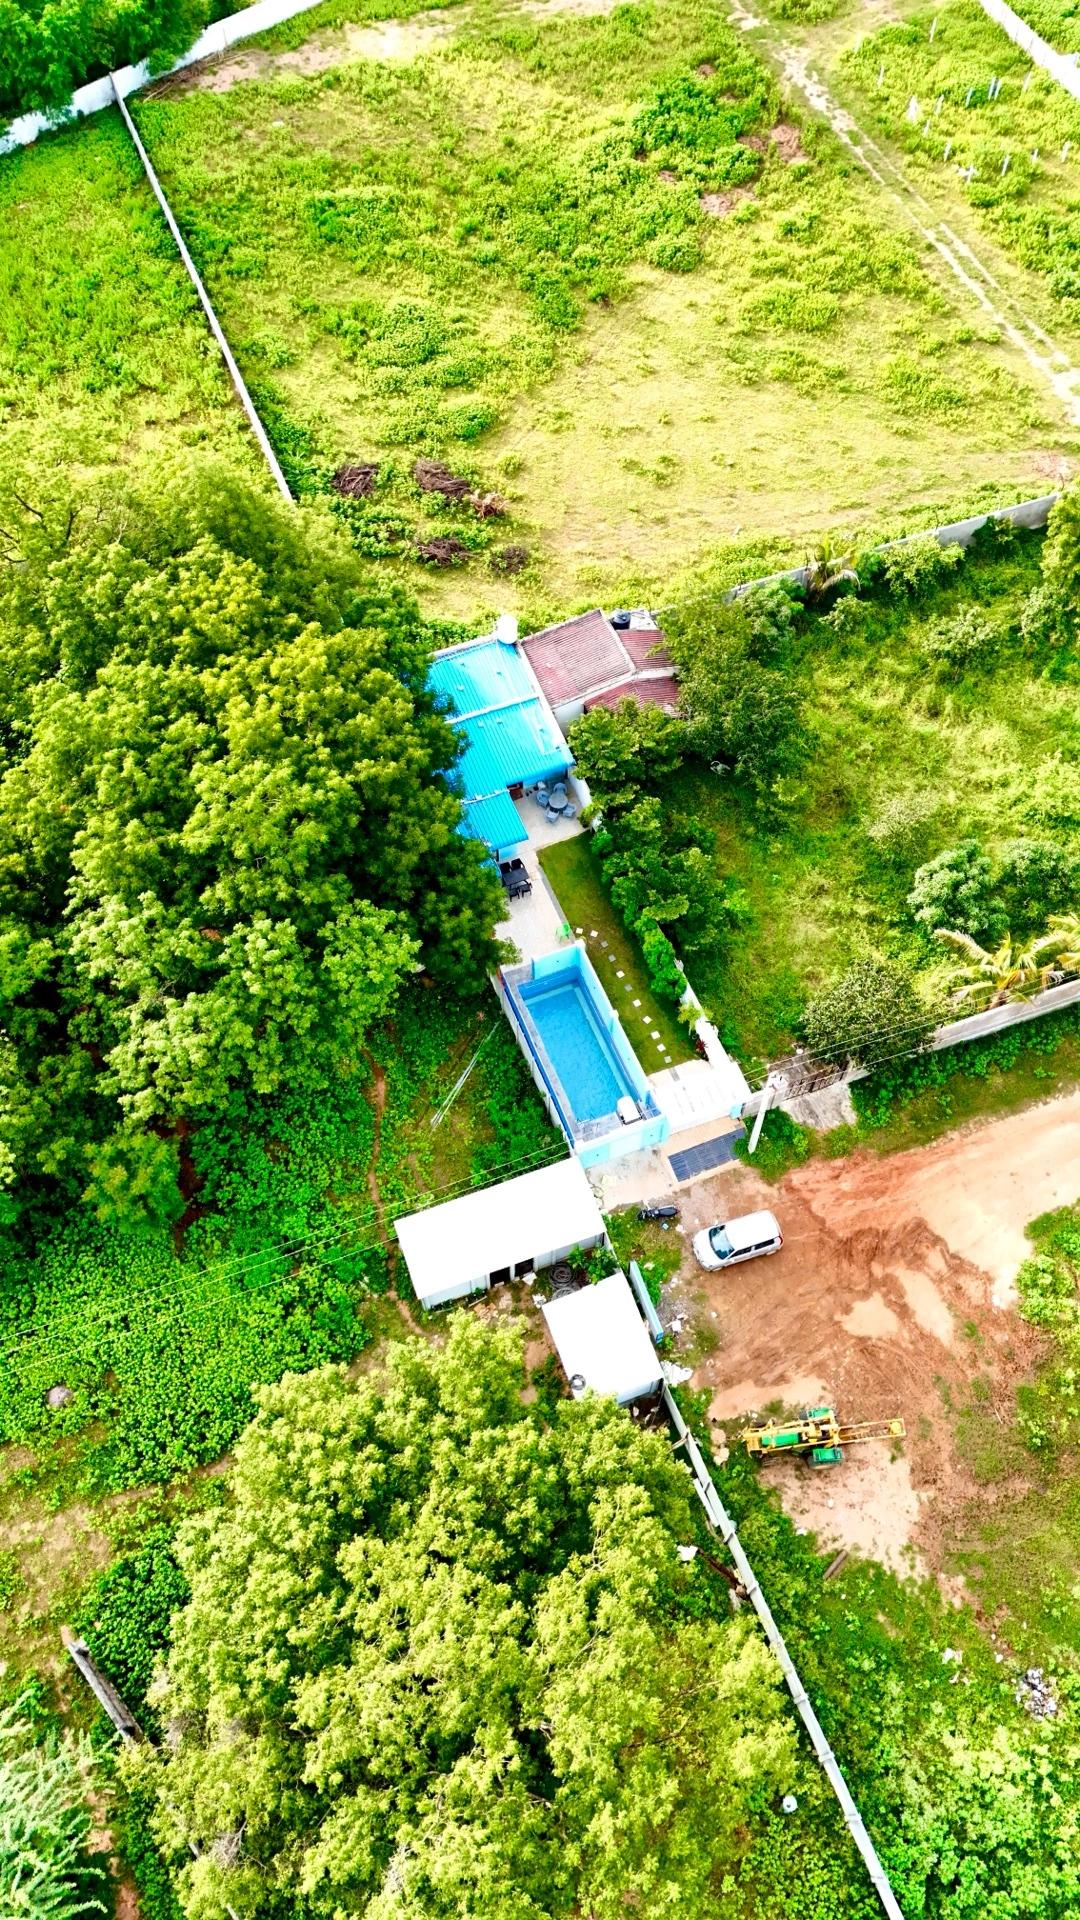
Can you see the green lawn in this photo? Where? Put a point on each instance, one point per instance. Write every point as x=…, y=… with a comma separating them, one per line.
x=104, y=352
x=573, y=872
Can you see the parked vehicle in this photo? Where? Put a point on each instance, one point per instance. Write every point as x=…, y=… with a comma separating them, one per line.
x=731, y=1241
x=658, y=1213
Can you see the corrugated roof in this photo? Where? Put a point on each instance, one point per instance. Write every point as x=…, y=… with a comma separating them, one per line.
x=483, y=673
x=494, y=819
x=511, y=738
x=465, y=1239
x=517, y=745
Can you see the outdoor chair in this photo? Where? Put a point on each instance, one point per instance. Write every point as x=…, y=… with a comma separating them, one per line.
x=558, y=791
x=541, y=796
x=569, y=812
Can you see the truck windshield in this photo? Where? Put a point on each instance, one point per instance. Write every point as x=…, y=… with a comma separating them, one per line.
x=719, y=1242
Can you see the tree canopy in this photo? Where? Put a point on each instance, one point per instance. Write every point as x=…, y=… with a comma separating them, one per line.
x=227, y=830
x=49, y=47
x=441, y=1658
x=44, y=1825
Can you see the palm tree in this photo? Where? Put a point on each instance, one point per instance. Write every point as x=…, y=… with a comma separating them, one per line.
x=1065, y=929
x=826, y=568
x=1008, y=969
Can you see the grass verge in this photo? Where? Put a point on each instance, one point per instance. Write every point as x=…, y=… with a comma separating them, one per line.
x=650, y=1024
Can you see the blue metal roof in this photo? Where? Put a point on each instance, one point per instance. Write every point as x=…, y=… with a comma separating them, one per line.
x=483, y=673
x=495, y=820
x=511, y=738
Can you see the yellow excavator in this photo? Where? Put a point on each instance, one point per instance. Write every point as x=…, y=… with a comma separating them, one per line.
x=816, y=1436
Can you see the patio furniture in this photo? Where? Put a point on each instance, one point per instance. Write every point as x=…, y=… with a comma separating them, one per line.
x=569, y=812
x=519, y=885
x=541, y=795
x=558, y=791
x=553, y=814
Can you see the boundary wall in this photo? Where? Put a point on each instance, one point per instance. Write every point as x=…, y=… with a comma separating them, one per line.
x=1060, y=66
x=98, y=94
x=721, y=1522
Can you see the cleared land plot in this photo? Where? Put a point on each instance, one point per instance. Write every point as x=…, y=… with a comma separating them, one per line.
x=596, y=266
x=104, y=353
x=931, y=98
x=890, y=1297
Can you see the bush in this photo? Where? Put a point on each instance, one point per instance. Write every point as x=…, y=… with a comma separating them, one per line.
x=1037, y=878
x=955, y=890
x=125, y=1614
x=967, y=639
x=901, y=828
x=870, y=1012
x=919, y=566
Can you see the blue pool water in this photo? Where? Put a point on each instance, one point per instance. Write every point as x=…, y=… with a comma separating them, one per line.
x=577, y=1046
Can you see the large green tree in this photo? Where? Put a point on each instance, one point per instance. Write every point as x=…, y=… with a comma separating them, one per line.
x=44, y=1825
x=226, y=827
x=442, y=1661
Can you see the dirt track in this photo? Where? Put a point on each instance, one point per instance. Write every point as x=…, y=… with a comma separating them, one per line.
x=892, y=1294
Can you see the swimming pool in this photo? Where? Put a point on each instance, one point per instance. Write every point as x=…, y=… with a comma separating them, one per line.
x=578, y=1048
x=579, y=1056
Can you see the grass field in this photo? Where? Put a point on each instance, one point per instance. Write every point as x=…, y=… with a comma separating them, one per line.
x=988, y=752
x=574, y=875
x=104, y=353
x=1024, y=144
x=595, y=265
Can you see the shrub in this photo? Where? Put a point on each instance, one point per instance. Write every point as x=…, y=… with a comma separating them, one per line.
x=919, y=566
x=955, y=890
x=660, y=957
x=967, y=639
x=1037, y=878
x=901, y=828
x=871, y=1011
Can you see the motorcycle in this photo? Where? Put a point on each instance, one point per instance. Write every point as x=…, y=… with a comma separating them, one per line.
x=658, y=1213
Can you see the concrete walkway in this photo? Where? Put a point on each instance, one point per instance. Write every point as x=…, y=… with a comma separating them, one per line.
x=535, y=925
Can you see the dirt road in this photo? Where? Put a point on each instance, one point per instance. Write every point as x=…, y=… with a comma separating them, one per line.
x=893, y=1294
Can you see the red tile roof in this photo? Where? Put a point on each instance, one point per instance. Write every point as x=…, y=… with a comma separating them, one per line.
x=577, y=655
x=639, y=643
x=663, y=692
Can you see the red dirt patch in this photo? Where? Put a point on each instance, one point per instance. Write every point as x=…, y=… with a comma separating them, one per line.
x=888, y=1297
x=785, y=139
x=717, y=204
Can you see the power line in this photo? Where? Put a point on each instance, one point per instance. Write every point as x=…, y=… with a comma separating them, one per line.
x=323, y=1248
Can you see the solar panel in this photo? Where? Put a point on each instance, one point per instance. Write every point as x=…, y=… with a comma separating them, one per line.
x=706, y=1155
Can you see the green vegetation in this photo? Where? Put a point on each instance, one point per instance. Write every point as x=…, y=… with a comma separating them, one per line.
x=104, y=353
x=902, y=761
x=966, y=1797
x=441, y=1657
x=233, y=922
x=497, y=255
x=44, y=1823
x=913, y=1100
x=1030, y=207
x=575, y=876
x=48, y=49
x=287, y=1242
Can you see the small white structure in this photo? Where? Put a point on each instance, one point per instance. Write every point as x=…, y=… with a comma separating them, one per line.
x=499, y=1233
x=601, y=1340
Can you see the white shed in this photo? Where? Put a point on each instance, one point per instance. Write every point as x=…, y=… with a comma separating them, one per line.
x=499, y=1232
x=602, y=1342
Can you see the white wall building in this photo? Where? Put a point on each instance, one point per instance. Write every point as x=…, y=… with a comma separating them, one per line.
x=602, y=1342
x=499, y=1233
